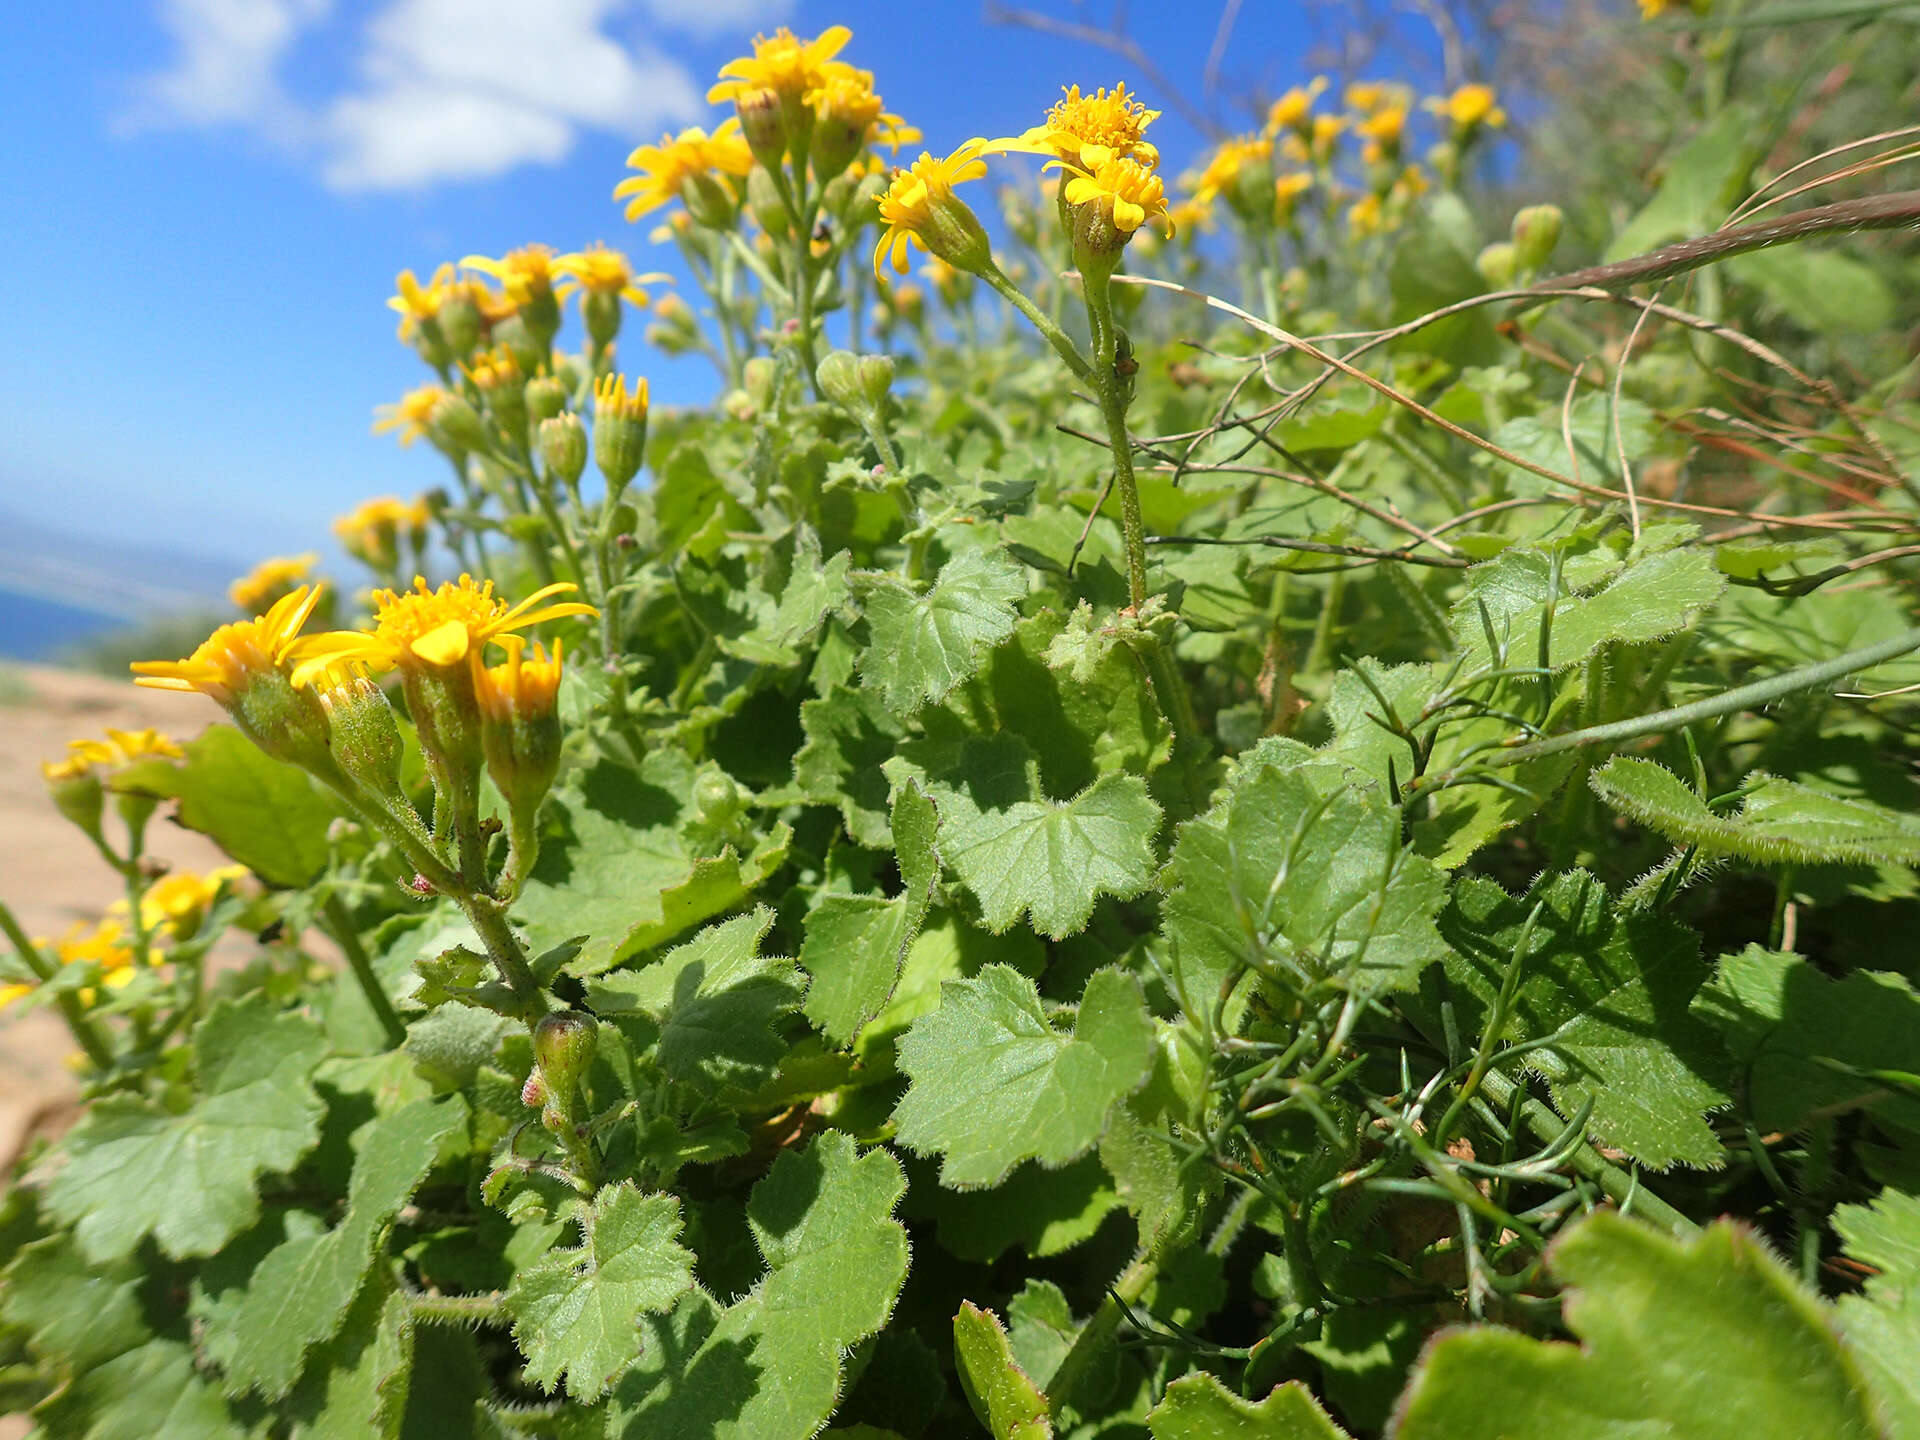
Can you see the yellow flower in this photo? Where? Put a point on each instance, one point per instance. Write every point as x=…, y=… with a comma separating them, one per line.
x=892, y=132
x=920, y=207
x=148, y=744
x=77, y=766
x=418, y=303
x=410, y=417
x=1364, y=216
x=600, y=271
x=523, y=686
x=105, y=944
x=1384, y=127
x=231, y=658
x=493, y=369
x=784, y=64
x=1190, y=215
x=1470, y=107
x=269, y=580
x=371, y=530
x=1224, y=168
x=1293, y=110
x=613, y=401
x=1089, y=130
x=180, y=901
x=847, y=115
x=1367, y=96
x=1127, y=190
x=1287, y=190
x=121, y=747
x=426, y=627
x=691, y=155
x=11, y=993
x=527, y=273
x=1327, y=129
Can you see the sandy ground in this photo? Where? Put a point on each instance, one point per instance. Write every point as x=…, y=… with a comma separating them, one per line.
x=50, y=875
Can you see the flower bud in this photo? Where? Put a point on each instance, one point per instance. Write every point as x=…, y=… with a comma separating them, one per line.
x=619, y=431
x=365, y=738
x=759, y=375
x=287, y=723
x=602, y=313
x=763, y=123
x=460, y=323
x=520, y=724
x=564, y=1044
x=717, y=798
x=711, y=204
x=1498, y=264
x=76, y=790
x=458, y=424
x=546, y=398
x=858, y=382
x=563, y=447
x=530, y=352
x=1536, y=231
x=769, y=209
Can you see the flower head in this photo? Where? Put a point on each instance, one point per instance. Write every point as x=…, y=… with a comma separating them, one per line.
x=847, y=115
x=1237, y=170
x=235, y=656
x=1287, y=190
x=527, y=273
x=426, y=627
x=784, y=64
x=598, y=270
x=269, y=580
x=920, y=207
x=1089, y=130
x=1382, y=130
x=1126, y=192
x=1469, y=108
x=1367, y=96
x=692, y=156
x=371, y=531
x=1294, y=110
x=179, y=901
x=524, y=686
x=412, y=416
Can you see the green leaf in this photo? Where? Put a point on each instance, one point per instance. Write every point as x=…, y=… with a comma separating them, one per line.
x=1003, y=1398
x=1301, y=866
x=994, y=1083
x=1049, y=859
x=850, y=735
x=621, y=872
x=1710, y=1339
x=856, y=944
x=921, y=646
x=1086, y=709
x=300, y=1292
x=1042, y=1211
x=1803, y=1042
x=1696, y=188
x=355, y=1386
x=1609, y=991
x=1819, y=290
x=769, y=1366
x=133, y=1169
x=1779, y=822
x=575, y=1311
x=267, y=815
x=152, y=1393
x=1432, y=267
x=75, y=1315
x=1199, y=1407
x=1883, y=1325
x=1650, y=598
x=715, y=1000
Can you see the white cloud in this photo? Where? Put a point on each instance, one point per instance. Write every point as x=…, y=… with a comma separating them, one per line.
x=707, y=18
x=442, y=89
x=461, y=89
x=227, y=65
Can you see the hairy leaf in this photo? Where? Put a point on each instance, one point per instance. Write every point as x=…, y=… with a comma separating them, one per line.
x=994, y=1083
x=1709, y=1338
x=575, y=1311
x=922, y=646
x=133, y=1169
x=1883, y=1324
x=1003, y=1398
x=1199, y=1407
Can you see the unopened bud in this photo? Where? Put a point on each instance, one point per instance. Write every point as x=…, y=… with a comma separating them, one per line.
x=458, y=424
x=1536, y=231
x=1498, y=264
x=619, y=431
x=759, y=375
x=460, y=324
x=546, y=398
x=769, y=209
x=564, y=1043
x=563, y=447
x=602, y=314
x=365, y=738
x=77, y=792
x=710, y=203
x=763, y=124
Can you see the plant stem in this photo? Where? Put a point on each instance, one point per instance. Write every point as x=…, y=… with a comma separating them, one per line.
x=1098, y=1331
x=85, y=1033
x=504, y=949
x=340, y=927
x=457, y=1309
x=1050, y=332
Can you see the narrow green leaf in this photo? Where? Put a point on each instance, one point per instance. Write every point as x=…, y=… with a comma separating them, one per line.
x=575, y=1312
x=1003, y=1398
x=132, y=1169
x=1710, y=1339
x=994, y=1083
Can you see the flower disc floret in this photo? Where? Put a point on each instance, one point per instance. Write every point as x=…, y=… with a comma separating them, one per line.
x=919, y=207
x=1089, y=130
x=431, y=628
x=234, y=656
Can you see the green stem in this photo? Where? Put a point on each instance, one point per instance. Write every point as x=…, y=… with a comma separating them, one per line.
x=504, y=950
x=1115, y=392
x=85, y=1033
x=340, y=926
x=1056, y=337
x=457, y=1309
x=1098, y=1332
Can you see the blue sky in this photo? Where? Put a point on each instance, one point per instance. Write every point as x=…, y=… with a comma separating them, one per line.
x=205, y=203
